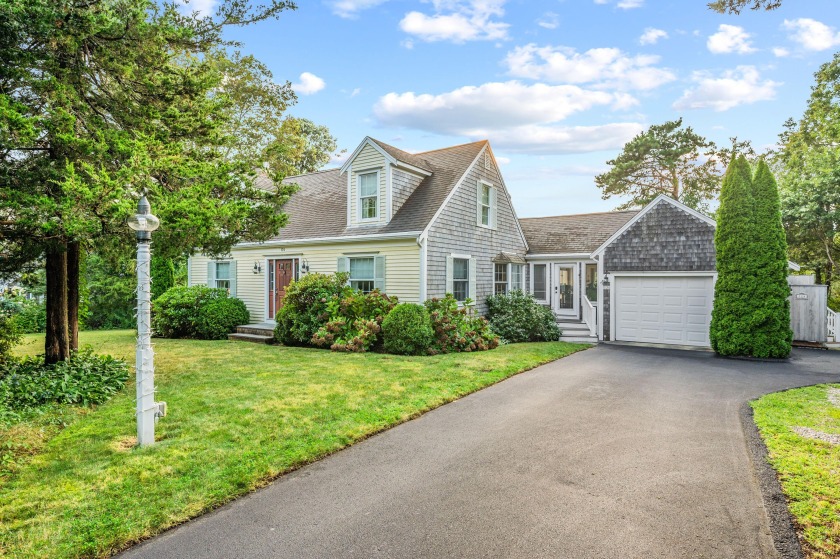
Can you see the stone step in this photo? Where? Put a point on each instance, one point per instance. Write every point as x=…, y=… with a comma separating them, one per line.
x=253, y=338
x=254, y=330
x=579, y=339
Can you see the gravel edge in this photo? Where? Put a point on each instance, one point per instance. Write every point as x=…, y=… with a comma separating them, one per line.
x=782, y=529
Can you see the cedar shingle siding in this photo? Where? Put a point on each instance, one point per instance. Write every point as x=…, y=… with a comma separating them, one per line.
x=456, y=231
x=664, y=239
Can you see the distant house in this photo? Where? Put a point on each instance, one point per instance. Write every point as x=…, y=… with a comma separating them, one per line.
x=425, y=224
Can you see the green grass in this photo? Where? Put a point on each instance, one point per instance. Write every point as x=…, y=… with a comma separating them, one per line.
x=239, y=416
x=809, y=470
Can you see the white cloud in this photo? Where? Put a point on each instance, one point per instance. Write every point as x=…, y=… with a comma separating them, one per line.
x=741, y=86
x=502, y=160
x=780, y=52
x=309, y=83
x=355, y=91
x=812, y=34
x=349, y=9
x=728, y=39
x=514, y=116
x=630, y=4
x=549, y=21
x=203, y=7
x=558, y=140
x=458, y=21
x=604, y=67
x=652, y=35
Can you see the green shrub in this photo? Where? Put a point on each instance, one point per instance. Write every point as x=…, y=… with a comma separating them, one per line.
x=355, y=321
x=456, y=328
x=304, y=308
x=9, y=335
x=84, y=379
x=163, y=275
x=27, y=315
x=517, y=317
x=197, y=312
x=407, y=330
x=220, y=317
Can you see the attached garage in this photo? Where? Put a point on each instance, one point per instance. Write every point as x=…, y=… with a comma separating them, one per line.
x=663, y=309
x=658, y=277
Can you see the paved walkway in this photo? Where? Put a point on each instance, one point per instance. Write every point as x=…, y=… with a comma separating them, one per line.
x=615, y=452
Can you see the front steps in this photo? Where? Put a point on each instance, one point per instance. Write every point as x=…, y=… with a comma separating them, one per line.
x=255, y=333
x=576, y=331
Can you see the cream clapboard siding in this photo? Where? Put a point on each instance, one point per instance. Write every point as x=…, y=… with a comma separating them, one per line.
x=402, y=267
x=456, y=232
x=369, y=159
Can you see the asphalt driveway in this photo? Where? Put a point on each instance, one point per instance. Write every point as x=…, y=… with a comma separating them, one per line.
x=614, y=452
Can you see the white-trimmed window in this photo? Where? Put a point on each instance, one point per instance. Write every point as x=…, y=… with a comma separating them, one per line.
x=368, y=184
x=539, y=281
x=366, y=272
x=221, y=274
x=500, y=279
x=460, y=277
x=486, y=206
x=517, y=277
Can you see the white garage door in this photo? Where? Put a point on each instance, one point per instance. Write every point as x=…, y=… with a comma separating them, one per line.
x=663, y=310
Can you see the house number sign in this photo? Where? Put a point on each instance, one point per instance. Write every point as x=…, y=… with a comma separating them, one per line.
x=802, y=296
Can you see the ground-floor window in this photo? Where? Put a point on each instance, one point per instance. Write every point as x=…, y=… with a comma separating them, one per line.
x=517, y=277
x=500, y=279
x=592, y=282
x=540, y=281
x=461, y=278
x=362, y=275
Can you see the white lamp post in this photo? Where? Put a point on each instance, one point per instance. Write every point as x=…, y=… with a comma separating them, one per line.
x=143, y=222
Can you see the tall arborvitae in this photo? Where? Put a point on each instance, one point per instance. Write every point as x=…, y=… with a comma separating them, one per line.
x=770, y=331
x=736, y=259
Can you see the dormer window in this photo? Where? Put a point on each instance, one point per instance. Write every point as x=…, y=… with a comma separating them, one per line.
x=368, y=196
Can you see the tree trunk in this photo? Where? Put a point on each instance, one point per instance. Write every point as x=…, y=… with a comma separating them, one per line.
x=57, y=343
x=73, y=258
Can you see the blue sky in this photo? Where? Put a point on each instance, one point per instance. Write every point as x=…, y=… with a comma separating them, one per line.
x=557, y=86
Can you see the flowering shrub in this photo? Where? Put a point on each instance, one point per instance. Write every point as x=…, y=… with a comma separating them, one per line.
x=458, y=328
x=304, y=309
x=355, y=321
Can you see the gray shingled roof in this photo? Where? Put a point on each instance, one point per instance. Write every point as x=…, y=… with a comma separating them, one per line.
x=319, y=208
x=572, y=233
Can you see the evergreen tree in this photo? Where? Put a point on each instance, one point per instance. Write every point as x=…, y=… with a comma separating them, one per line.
x=770, y=331
x=734, y=245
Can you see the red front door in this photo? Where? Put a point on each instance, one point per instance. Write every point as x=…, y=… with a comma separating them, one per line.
x=280, y=275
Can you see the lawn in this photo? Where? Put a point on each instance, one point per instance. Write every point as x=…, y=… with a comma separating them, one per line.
x=239, y=416
x=809, y=470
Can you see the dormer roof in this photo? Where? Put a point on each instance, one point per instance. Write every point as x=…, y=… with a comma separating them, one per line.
x=318, y=210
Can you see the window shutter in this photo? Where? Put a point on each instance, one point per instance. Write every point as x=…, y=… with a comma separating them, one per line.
x=342, y=264
x=472, y=293
x=493, y=208
x=379, y=273
x=233, y=278
x=478, y=203
x=211, y=274
x=449, y=270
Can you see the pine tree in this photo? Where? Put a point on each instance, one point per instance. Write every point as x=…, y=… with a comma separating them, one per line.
x=734, y=244
x=770, y=321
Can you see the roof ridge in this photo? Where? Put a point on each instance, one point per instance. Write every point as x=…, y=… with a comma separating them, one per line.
x=455, y=146
x=612, y=212
x=312, y=173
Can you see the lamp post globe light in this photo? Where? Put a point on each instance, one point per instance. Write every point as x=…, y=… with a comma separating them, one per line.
x=143, y=222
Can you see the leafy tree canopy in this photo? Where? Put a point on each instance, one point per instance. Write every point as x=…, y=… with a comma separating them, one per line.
x=735, y=6
x=808, y=165
x=668, y=159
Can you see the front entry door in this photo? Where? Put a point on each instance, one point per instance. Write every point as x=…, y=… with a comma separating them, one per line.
x=565, y=289
x=281, y=272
